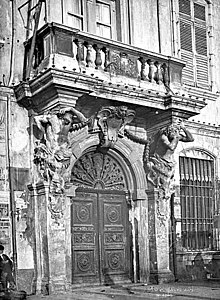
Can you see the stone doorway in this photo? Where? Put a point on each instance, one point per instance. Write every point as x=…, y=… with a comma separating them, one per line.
x=100, y=229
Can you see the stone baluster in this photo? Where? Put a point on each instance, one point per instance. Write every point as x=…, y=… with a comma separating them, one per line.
x=89, y=61
x=143, y=68
x=80, y=51
x=98, y=57
x=106, y=62
x=158, y=74
x=152, y=70
x=165, y=74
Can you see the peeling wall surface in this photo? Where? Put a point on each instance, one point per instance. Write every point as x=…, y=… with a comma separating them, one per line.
x=104, y=98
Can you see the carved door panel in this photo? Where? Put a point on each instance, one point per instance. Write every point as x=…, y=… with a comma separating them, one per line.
x=114, y=238
x=85, y=259
x=100, y=237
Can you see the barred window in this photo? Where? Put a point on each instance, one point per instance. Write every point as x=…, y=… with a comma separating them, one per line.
x=197, y=203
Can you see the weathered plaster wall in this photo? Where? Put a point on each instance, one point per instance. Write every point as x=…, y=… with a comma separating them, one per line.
x=5, y=230
x=14, y=153
x=143, y=22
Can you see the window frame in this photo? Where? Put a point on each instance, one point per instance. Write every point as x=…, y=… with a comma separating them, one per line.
x=68, y=13
x=112, y=24
x=119, y=10
x=197, y=72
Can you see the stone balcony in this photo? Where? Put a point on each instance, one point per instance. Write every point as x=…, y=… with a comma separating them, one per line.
x=69, y=65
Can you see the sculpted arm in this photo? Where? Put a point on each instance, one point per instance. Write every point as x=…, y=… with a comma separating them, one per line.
x=40, y=120
x=78, y=114
x=187, y=137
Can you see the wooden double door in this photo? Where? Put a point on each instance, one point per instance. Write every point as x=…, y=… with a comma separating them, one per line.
x=100, y=237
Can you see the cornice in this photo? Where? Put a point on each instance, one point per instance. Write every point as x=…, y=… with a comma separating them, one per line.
x=54, y=85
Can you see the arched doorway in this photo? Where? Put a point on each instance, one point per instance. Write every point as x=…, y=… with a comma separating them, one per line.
x=100, y=227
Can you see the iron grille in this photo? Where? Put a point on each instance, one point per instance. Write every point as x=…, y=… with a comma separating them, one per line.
x=197, y=203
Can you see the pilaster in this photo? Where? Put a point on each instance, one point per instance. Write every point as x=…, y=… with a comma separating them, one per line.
x=39, y=198
x=52, y=235
x=159, y=212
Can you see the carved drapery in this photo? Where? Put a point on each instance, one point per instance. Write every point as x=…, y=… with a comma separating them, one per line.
x=99, y=171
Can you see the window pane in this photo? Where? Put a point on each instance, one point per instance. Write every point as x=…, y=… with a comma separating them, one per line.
x=103, y=13
x=106, y=17
x=185, y=36
x=104, y=31
x=201, y=40
x=75, y=6
x=74, y=22
x=47, y=46
x=75, y=13
x=103, y=20
x=184, y=7
x=199, y=11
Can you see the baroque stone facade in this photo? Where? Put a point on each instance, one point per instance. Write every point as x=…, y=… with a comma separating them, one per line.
x=109, y=142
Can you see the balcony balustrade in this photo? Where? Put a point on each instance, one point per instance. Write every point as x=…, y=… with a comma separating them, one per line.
x=68, y=63
x=62, y=47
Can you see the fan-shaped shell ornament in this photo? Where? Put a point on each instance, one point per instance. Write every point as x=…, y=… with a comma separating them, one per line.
x=98, y=171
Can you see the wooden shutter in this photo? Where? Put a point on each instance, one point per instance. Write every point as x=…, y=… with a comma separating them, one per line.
x=187, y=51
x=193, y=43
x=202, y=66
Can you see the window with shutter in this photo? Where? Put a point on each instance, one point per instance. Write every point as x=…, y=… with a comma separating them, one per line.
x=194, y=42
x=99, y=17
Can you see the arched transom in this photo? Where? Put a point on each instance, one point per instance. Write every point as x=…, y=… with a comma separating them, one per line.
x=98, y=171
